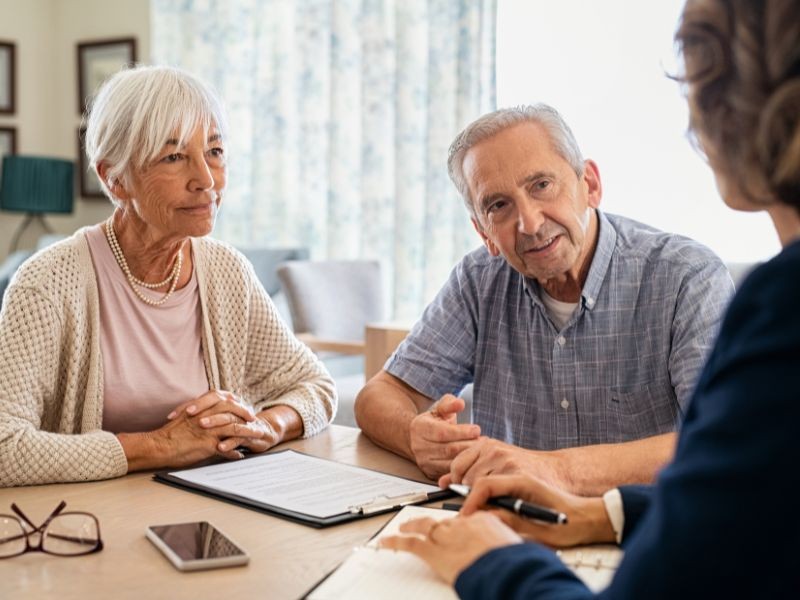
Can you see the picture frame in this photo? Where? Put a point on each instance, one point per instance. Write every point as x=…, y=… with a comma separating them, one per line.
x=97, y=61
x=8, y=66
x=88, y=182
x=8, y=144
x=8, y=140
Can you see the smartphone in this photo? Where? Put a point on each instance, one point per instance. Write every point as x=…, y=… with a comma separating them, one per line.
x=195, y=546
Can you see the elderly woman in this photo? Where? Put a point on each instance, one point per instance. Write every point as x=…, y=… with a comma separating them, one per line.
x=140, y=343
x=722, y=520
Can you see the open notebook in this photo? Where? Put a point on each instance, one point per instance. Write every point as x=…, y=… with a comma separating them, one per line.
x=370, y=572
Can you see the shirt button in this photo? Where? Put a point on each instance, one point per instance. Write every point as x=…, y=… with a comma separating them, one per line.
x=590, y=302
x=561, y=340
x=565, y=404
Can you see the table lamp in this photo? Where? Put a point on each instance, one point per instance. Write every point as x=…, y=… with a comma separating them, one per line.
x=36, y=185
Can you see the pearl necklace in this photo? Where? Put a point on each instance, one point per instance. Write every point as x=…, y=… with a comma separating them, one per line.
x=173, y=278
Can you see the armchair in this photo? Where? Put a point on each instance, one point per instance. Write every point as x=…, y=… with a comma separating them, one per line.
x=265, y=263
x=331, y=303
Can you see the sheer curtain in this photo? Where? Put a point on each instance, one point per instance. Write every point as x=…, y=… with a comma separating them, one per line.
x=341, y=114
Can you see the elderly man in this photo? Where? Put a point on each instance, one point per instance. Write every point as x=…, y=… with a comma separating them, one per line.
x=583, y=332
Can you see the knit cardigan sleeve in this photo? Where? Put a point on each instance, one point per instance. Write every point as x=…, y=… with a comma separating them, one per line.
x=256, y=354
x=282, y=370
x=49, y=417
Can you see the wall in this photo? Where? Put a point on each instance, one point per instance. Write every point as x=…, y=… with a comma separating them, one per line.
x=46, y=33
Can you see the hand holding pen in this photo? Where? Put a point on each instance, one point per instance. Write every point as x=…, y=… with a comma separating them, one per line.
x=560, y=520
x=518, y=506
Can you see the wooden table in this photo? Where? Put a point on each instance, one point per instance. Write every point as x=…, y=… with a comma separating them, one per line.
x=286, y=559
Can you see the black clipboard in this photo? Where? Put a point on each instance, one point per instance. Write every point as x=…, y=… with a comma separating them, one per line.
x=376, y=506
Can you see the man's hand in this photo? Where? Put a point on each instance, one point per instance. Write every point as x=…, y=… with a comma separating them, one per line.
x=588, y=522
x=488, y=456
x=451, y=545
x=435, y=438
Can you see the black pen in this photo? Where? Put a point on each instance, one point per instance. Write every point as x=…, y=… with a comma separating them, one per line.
x=518, y=506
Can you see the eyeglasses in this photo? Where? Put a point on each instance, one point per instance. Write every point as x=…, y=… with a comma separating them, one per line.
x=62, y=533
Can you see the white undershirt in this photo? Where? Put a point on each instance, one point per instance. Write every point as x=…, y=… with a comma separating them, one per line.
x=558, y=311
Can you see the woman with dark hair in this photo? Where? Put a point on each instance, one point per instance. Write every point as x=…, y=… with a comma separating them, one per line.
x=720, y=522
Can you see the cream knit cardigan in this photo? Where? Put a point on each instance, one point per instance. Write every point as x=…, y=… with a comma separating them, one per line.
x=51, y=375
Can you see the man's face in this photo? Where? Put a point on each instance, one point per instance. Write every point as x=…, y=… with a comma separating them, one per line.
x=530, y=206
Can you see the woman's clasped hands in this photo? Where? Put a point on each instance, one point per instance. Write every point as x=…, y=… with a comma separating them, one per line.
x=216, y=423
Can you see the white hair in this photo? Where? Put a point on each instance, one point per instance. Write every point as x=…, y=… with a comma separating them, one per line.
x=137, y=110
x=492, y=123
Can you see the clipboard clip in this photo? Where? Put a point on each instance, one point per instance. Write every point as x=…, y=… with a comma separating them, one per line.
x=382, y=503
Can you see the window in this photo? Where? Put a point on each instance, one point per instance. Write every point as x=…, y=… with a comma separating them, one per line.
x=603, y=65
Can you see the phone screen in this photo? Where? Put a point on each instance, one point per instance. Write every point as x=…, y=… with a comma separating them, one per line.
x=196, y=541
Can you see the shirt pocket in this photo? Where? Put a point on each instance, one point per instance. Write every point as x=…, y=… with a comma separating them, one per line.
x=646, y=410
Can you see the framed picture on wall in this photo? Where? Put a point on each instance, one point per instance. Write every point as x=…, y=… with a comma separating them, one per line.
x=87, y=179
x=7, y=78
x=8, y=144
x=99, y=60
x=8, y=140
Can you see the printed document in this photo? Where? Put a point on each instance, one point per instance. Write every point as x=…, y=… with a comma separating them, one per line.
x=303, y=484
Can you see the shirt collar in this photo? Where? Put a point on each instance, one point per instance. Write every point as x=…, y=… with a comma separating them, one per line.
x=606, y=241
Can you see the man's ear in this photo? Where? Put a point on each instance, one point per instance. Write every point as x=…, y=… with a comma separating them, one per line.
x=117, y=188
x=493, y=250
x=594, y=187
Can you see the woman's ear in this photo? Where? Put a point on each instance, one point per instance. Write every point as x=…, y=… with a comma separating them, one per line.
x=115, y=186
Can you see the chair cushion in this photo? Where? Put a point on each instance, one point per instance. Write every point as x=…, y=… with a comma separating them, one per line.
x=333, y=300
x=265, y=262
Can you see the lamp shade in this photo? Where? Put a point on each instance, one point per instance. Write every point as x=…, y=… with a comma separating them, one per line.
x=34, y=184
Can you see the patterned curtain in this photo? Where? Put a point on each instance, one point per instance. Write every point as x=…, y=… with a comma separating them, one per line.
x=341, y=113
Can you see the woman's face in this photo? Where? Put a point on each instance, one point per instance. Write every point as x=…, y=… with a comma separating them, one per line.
x=179, y=192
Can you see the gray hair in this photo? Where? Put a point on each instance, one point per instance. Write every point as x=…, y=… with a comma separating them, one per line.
x=137, y=110
x=494, y=122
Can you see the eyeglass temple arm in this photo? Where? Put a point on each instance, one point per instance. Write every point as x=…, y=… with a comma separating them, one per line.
x=13, y=538
x=77, y=540
x=41, y=527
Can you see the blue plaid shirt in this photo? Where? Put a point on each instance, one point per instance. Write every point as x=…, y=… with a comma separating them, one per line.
x=622, y=368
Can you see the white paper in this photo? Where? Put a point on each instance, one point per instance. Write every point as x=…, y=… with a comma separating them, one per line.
x=370, y=572
x=594, y=565
x=301, y=483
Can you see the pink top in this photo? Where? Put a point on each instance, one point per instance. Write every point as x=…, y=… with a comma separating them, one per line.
x=152, y=355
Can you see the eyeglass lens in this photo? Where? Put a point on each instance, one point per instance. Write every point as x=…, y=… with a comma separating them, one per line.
x=67, y=534
x=12, y=537
x=70, y=533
